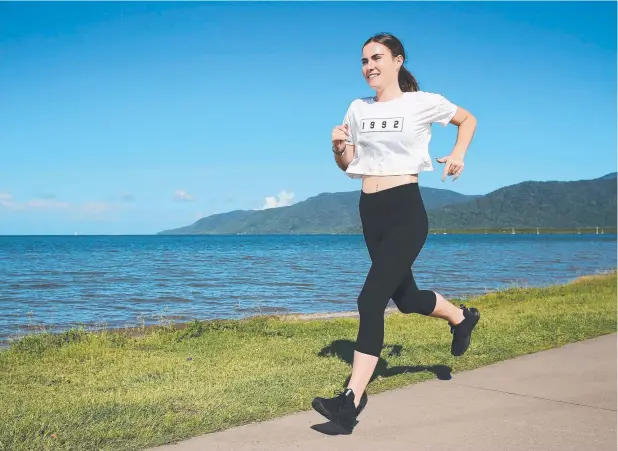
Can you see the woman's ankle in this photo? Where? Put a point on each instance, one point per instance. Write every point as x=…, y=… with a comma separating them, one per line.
x=357, y=395
x=447, y=311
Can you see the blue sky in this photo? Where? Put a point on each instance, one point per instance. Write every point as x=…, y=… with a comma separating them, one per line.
x=133, y=118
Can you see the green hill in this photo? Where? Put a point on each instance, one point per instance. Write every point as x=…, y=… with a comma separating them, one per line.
x=583, y=203
x=324, y=213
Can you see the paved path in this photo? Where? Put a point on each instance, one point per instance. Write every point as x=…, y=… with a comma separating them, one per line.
x=563, y=399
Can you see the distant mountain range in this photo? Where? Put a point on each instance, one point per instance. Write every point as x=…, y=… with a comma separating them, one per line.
x=582, y=203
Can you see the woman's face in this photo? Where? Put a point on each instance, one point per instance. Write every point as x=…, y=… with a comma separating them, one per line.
x=379, y=67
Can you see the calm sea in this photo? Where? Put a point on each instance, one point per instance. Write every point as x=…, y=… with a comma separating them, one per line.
x=116, y=281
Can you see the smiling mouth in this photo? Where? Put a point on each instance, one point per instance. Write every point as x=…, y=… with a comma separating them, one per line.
x=372, y=76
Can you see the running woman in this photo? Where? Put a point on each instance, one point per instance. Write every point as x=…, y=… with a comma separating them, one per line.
x=384, y=142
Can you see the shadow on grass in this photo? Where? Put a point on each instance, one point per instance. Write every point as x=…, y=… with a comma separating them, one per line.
x=344, y=349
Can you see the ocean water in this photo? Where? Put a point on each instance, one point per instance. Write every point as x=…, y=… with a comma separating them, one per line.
x=117, y=281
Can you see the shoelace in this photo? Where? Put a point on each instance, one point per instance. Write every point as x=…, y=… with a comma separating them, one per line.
x=340, y=394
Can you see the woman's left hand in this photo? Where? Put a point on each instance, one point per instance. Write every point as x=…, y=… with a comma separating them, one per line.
x=453, y=165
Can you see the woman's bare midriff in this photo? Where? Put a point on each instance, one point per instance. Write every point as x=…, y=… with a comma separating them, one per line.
x=373, y=183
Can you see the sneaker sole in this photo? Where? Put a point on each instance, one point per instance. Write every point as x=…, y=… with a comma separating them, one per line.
x=476, y=316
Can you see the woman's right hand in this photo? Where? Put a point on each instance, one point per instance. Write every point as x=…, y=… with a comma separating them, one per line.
x=339, y=136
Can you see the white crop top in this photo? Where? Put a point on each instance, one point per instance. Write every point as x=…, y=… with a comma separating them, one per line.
x=392, y=137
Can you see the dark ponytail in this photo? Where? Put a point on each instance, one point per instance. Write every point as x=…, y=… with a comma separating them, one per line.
x=407, y=82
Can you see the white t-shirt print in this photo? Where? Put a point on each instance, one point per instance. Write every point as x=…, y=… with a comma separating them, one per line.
x=392, y=138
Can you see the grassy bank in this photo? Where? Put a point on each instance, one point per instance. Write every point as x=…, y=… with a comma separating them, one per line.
x=110, y=391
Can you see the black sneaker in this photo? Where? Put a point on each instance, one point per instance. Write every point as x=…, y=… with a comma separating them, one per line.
x=340, y=409
x=462, y=332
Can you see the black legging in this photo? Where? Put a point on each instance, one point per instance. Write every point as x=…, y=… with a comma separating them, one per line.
x=395, y=228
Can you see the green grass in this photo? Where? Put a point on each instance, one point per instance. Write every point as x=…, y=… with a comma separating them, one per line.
x=110, y=391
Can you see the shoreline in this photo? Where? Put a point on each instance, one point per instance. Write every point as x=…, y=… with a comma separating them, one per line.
x=602, y=230
x=141, y=331
x=440, y=231
x=144, y=330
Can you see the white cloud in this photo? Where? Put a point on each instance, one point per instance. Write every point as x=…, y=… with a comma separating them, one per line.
x=5, y=200
x=282, y=200
x=91, y=208
x=95, y=208
x=49, y=204
x=182, y=196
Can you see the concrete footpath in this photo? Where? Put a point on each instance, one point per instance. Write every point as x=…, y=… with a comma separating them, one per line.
x=561, y=399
